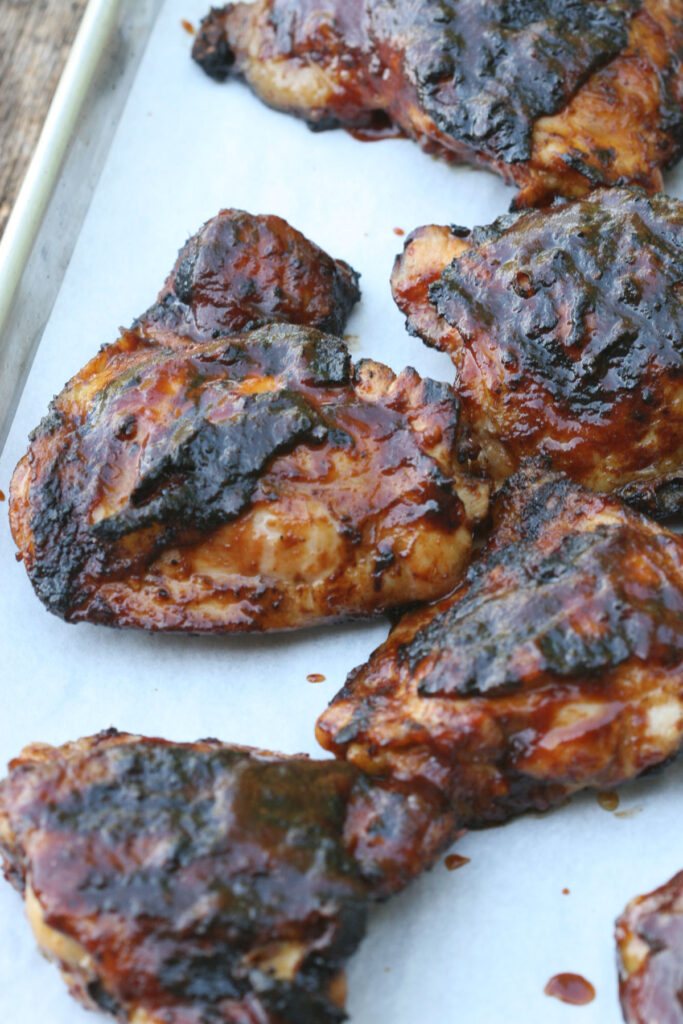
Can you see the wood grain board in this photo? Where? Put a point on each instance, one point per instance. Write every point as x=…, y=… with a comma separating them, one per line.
x=35, y=39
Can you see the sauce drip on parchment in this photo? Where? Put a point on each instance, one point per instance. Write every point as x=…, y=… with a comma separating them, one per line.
x=454, y=861
x=609, y=800
x=570, y=988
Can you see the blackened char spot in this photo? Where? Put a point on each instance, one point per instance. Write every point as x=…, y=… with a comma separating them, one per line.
x=565, y=614
x=211, y=49
x=183, y=281
x=486, y=71
x=242, y=854
x=61, y=547
x=204, y=473
x=293, y=1004
x=102, y=999
x=599, y=311
x=327, y=362
x=200, y=978
x=661, y=498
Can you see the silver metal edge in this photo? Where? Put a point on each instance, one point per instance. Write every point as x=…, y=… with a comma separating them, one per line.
x=56, y=194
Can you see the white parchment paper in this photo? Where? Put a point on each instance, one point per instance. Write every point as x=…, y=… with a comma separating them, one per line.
x=475, y=946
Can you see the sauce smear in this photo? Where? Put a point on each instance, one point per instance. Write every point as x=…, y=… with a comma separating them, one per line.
x=570, y=988
x=315, y=677
x=454, y=861
x=188, y=26
x=382, y=128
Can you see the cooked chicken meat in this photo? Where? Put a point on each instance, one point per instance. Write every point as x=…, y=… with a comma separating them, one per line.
x=253, y=482
x=556, y=665
x=242, y=271
x=566, y=329
x=187, y=883
x=194, y=478
x=650, y=945
x=558, y=96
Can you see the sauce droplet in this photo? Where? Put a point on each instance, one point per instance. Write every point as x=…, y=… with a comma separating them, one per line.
x=565, y=892
x=188, y=26
x=454, y=861
x=570, y=988
x=315, y=677
x=399, y=231
x=2, y=495
x=609, y=800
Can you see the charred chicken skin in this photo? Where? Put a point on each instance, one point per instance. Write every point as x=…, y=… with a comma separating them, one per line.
x=254, y=482
x=241, y=271
x=650, y=947
x=187, y=883
x=556, y=96
x=566, y=329
x=556, y=665
x=191, y=478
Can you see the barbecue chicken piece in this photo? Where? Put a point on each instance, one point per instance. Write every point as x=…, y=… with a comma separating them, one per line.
x=253, y=482
x=241, y=271
x=566, y=329
x=187, y=883
x=556, y=665
x=555, y=96
x=650, y=943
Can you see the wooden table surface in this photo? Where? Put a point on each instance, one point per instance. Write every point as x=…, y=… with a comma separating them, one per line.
x=35, y=39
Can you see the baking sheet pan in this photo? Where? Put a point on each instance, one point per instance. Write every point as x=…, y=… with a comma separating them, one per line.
x=42, y=231
x=476, y=945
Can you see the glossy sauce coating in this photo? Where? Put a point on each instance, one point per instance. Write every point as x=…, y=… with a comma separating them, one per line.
x=556, y=665
x=255, y=482
x=650, y=948
x=241, y=271
x=192, y=479
x=566, y=329
x=197, y=881
x=201, y=882
x=557, y=97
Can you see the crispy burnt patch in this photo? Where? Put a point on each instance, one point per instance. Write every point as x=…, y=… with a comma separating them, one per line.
x=483, y=74
x=203, y=882
x=649, y=938
x=256, y=482
x=556, y=665
x=565, y=326
x=241, y=271
x=557, y=97
x=486, y=72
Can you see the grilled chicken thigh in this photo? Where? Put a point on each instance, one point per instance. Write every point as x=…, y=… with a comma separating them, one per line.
x=254, y=482
x=566, y=329
x=650, y=945
x=242, y=271
x=556, y=665
x=556, y=96
x=194, y=478
x=187, y=883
